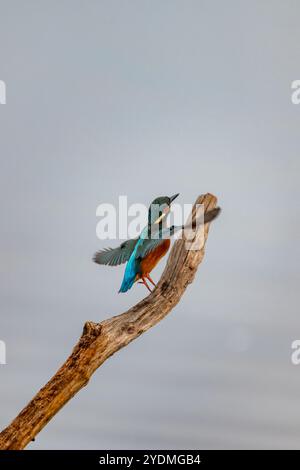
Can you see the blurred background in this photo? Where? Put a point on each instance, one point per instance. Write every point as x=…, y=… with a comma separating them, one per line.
x=140, y=98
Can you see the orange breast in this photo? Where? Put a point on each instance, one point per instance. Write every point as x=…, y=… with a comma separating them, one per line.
x=151, y=260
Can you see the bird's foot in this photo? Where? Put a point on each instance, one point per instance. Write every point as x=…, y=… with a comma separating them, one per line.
x=143, y=281
x=151, y=280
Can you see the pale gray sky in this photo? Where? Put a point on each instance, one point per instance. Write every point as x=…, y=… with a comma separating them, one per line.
x=148, y=98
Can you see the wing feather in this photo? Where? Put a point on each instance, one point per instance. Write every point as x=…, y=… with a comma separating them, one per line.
x=115, y=256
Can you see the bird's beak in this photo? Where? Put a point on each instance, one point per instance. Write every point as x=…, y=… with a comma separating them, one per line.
x=174, y=197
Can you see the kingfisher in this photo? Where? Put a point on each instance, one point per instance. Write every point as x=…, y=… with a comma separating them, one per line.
x=142, y=254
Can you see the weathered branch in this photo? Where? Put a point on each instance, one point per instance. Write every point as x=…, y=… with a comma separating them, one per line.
x=100, y=340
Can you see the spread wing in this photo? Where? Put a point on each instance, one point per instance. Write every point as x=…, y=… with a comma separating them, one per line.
x=115, y=256
x=146, y=245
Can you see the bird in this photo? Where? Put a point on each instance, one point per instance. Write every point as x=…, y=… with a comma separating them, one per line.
x=142, y=254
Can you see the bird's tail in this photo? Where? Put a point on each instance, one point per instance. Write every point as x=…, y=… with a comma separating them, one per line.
x=127, y=283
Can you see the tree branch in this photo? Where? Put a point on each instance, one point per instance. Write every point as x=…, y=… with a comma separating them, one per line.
x=100, y=340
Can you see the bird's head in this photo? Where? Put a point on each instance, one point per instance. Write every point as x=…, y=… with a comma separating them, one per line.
x=159, y=208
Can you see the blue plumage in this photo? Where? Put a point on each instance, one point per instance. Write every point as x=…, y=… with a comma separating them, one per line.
x=132, y=269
